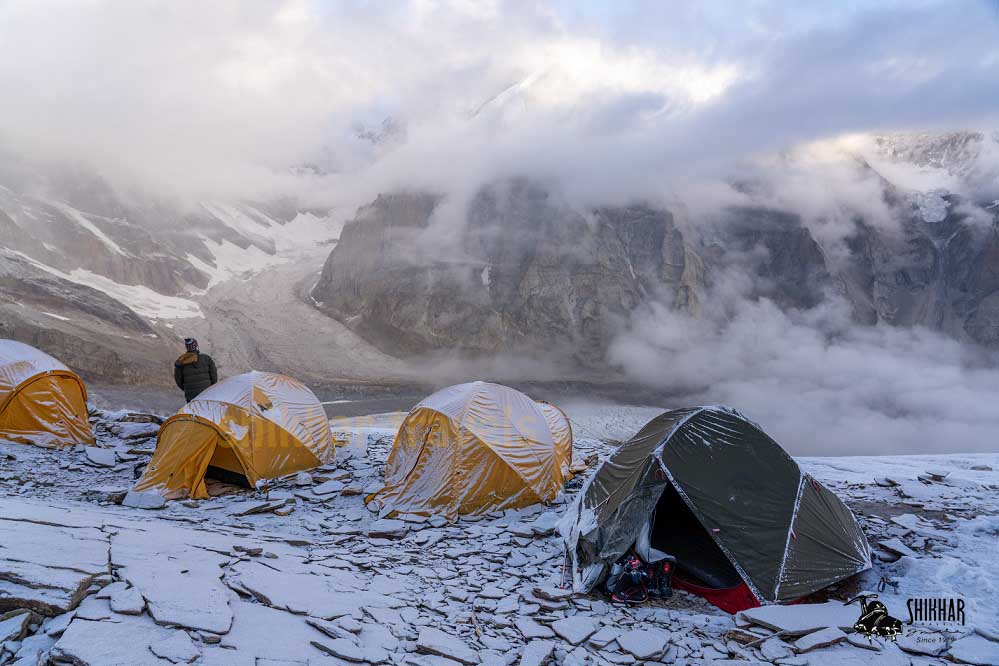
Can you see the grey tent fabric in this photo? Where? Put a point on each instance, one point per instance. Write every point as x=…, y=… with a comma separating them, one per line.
x=783, y=532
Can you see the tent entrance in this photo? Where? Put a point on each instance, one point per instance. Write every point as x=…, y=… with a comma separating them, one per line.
x=225, y=466
x=677, y=531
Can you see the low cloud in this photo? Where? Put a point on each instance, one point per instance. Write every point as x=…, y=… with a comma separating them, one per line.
x=817, y=382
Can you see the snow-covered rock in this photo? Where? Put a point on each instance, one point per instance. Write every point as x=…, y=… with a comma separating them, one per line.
x=144, y=500
x=178, y=648
x=819, y=639
x=435, y=641
x=643, y=644
x=974, y=649
x=575, y=629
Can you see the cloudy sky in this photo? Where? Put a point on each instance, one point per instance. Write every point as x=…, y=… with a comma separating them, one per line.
x=224, y=98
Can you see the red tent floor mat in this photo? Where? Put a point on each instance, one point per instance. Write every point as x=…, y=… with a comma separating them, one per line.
x=729, y=599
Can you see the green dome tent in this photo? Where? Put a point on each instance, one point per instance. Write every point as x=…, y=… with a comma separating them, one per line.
x=707, y=485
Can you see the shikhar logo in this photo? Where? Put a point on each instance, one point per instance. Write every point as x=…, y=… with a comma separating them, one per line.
x=874, y=621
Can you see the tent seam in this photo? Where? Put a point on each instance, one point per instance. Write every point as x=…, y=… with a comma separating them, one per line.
x=790, y=530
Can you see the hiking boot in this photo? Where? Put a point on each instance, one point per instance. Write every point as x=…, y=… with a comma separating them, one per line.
x=662, y=580
x=635, y=594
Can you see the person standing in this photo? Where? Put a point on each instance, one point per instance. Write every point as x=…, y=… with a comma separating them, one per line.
x=194, y=371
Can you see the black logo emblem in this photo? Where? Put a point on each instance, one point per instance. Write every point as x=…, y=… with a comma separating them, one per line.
x=874, y=621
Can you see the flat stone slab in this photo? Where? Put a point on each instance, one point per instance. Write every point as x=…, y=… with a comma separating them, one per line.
x=575, y=629
x=14, y=628
x=143, y=500
x=265, y=633
x=896, y=546
x=604, y=637
x=976, y=650
x=100, y=457
x=435, y=641
x=536, y=653
x=127, y=602
x=531, y=629
x=801, y=619
x=123, y=643
x=48, y=568
x=329, y=596
x=178, y=648
x=388, y=528
x=329, y=488
x=180, y=581
x=643, y=643
x=819, y=639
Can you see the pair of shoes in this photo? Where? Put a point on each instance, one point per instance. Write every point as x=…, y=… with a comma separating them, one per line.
x=635, y=594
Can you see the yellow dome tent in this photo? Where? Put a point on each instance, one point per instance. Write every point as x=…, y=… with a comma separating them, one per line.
x=254, y=426
x=42, y=402
x=474, y=448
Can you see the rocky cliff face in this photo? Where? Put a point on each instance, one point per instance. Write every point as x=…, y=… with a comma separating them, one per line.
x=88, y=330
x=523, y=272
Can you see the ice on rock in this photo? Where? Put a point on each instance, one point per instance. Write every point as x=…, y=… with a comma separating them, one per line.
x=975, y=649
x=819, y=639
x=329, y=488
x=802, y=619
x=100, y=457
x=535, y=653
x=213, y=656
x=897, y=547
x=604, y=637
x=144, y=500
x=545, y=524
x=180, y=581
x=575, y=629
x=343, y=648
x=435, y=641
x=48, y=568
x=178, y=648
x=123, y=643
x=14, y=627
x=57, y=625
x=531, y=629
x=430, y=660
x=266, y=633
x=127, y=602
x=388, y=528
x=329, y=596
x=110, y=589
x=643, y=643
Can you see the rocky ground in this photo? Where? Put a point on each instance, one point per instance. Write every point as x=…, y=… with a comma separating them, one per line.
x=300, y=573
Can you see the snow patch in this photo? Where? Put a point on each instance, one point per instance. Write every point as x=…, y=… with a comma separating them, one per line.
x=931, y=205
x=81, y=219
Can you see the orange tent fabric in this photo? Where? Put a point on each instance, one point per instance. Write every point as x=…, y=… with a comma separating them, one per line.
x=258, y=425
x=42, y=402
x=475, y=448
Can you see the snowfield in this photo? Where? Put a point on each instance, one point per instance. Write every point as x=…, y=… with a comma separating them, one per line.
x=300, y=573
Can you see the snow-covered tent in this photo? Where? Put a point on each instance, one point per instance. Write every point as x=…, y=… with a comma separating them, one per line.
x=708, y=486
x=474, y=448
x=42, y=402
x=253, y=426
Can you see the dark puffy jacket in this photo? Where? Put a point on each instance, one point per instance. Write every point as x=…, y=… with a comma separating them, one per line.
x=194, y=372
